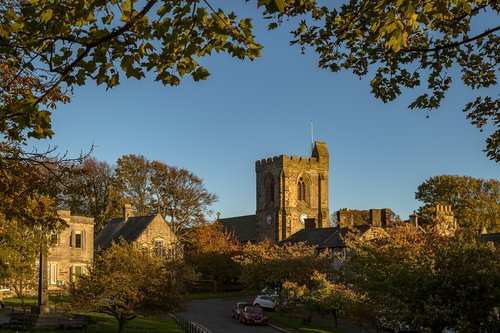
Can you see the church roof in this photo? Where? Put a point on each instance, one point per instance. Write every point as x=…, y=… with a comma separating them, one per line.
x=322, y=238
x=243, y=227
x=494, y=237
x=129, y=229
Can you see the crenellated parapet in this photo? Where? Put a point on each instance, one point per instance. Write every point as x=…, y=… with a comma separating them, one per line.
x=292, y=192
x=287, y=161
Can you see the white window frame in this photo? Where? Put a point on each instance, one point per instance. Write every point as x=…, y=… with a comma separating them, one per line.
x=52, y=274
x=159, y=247
x=79, y=234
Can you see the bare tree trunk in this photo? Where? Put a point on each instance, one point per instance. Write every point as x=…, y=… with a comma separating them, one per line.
x=121, y=324
x=335, y=318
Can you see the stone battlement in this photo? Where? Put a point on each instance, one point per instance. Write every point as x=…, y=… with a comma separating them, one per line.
x=280, y=161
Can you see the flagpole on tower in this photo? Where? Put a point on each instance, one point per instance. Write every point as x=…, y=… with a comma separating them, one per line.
x=312, y=136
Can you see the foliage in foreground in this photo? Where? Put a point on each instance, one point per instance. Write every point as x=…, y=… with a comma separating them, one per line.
x=410, y=45
x=426, y=279
x=48, y=48
x=126, y=281
x=270, y=265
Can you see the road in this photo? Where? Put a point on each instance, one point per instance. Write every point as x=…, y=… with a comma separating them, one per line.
x=215, y=314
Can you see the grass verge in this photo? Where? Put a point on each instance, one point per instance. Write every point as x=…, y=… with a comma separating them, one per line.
x=101, y=323
x=287, y=320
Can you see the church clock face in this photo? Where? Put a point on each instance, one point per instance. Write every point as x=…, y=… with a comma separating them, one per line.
x=269, y=219
x=303, y=218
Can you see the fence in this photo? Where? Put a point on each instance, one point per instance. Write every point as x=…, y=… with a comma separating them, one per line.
x=189, y=326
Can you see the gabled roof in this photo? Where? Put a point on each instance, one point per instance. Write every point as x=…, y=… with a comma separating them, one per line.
x=495, y=238
x=243, y=227
x=322, y=238
x=117, y=228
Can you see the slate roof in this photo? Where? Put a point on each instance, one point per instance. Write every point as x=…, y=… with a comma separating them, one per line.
x=243, y=227
x=322, y=238
x=129, y=229
x=495, y=238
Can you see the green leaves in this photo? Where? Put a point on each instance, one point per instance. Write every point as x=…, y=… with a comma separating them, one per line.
x=395, y=41
x=475, y=202
x=75, y=42
x=426, y=279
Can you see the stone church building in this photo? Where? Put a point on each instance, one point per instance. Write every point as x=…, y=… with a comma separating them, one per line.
x=291, y=194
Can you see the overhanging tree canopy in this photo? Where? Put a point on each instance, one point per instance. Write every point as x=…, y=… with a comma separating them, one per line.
x=410, y=44
x=56, y=45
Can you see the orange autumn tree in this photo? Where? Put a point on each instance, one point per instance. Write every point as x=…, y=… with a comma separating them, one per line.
x=323, y=294
x=211, y=251
x=271, y=265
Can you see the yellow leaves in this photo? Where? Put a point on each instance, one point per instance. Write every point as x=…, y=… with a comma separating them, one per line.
x=46, y=16
x=3, y=33
x=280, y=4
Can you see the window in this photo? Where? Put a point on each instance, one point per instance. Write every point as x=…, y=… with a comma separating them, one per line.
x=159, y=248
x=269, y=188
x=52, y=278
x=78, y=239
x=172, y=252
x=301, y=189
x=75, y=272
x=54, y=237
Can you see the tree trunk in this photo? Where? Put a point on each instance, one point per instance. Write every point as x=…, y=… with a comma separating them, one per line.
x=121, y=324
x=335, y=318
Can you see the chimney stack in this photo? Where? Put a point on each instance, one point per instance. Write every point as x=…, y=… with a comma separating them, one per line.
x=414, y=218
x=127, y=211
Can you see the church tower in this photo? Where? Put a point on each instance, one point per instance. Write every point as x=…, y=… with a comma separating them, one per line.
x=292, y=194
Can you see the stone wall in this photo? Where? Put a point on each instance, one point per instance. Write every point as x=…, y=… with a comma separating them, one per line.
x=71, y=251
x=279, y=213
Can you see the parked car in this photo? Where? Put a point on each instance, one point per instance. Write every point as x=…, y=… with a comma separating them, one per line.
x=253, y=315
x=449, y=329
x=238, y=309
x=265, y=302
x=406, y=328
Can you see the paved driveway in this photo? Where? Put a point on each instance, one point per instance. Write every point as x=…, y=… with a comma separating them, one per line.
x=215, y=314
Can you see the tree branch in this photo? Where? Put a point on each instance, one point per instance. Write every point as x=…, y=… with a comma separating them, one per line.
x=452, y=45
x=91, y=45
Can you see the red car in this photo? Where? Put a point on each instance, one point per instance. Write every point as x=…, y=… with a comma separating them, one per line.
x=253, y=315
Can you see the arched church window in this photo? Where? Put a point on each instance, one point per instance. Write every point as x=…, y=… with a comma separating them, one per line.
x=269, y=187
x=301, y=189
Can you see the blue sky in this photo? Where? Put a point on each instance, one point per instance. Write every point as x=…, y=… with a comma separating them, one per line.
x=246, y=111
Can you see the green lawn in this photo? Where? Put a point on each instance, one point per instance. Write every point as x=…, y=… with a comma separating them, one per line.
x=106, y=324
x=101, y=323
x=286, y=320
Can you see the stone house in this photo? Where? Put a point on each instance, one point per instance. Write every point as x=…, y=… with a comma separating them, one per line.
x=331, y=240
x=150, y=231
x=71, y=249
